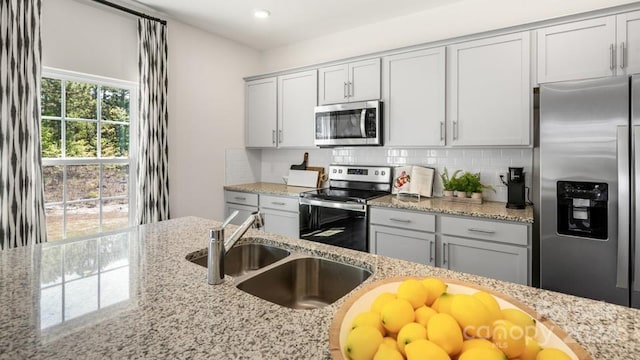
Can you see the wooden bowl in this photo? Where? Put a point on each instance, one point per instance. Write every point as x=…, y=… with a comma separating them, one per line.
x=548, y=334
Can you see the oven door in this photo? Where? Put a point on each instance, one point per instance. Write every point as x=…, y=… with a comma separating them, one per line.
x=348, y=124
x=335, y=223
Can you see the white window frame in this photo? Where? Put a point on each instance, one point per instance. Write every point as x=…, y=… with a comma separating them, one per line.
x=49, y=72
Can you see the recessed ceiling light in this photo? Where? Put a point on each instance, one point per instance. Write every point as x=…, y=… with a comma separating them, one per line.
x=262, y=14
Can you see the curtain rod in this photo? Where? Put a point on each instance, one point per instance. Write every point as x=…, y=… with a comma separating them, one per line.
x=130, y=11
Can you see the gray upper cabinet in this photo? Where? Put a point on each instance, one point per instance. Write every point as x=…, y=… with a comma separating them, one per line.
x=260, y=113
x=356, y=81
x=489, y=91
x=600, y=47
x=413, y=91
x=297, y=98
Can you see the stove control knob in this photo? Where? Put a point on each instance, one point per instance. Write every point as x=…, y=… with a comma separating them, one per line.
x=376, y=172
x=383, y=173
x=334, y=171
x=340, y=171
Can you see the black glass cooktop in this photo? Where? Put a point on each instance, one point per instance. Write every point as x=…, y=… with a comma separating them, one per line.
x=338, y=194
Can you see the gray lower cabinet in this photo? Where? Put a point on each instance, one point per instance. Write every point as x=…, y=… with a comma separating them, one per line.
x=244, y=203
x=280, y=215
x=492, y=248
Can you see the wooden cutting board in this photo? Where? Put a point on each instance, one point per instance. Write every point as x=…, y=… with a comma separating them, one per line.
x=304, y=178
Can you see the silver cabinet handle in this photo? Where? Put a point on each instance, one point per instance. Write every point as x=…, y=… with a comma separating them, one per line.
x=623, y=51
x=240, y=198
x=445, y=256
x=431, y=251
x=278, y=203
x=455, y=130
x=280, y=136
x=611, y=57
x=350, y=89
x=273, y=136
x=622, y=267
x=345, y=91
x=400, y=220
x=482, y=231
x=442, y=130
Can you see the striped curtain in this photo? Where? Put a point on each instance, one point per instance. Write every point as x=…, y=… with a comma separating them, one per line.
x=153, y=150
x=22, y=219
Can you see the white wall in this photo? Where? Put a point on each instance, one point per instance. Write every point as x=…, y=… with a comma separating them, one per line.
x=206, y=116
x=448, y=21
x=89, y=39
x=206, y=90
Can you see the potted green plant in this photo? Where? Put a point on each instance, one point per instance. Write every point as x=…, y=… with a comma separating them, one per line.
x=449, y=183
x=470, y=184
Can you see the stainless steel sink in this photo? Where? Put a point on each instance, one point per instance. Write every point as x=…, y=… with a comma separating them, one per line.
x=245, y=258
x=305, y=283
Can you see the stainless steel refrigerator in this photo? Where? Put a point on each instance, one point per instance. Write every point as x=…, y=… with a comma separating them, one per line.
x=590, y=189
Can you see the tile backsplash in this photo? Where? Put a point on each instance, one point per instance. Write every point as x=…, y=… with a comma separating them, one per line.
x=489, y=162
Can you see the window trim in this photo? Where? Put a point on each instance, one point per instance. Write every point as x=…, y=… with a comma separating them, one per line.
x=66, y=75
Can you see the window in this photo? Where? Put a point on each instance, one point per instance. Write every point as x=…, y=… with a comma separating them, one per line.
x=87, y=151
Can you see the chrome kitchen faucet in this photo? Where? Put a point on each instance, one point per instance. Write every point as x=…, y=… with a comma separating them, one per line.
x=218, y=247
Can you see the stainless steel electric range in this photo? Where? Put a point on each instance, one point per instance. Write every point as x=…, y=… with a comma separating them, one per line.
x=337, y=215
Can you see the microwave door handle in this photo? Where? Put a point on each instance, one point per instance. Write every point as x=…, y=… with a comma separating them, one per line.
x=363, y=117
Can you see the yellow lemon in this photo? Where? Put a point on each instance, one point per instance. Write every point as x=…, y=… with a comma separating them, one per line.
x=396, y=314
x=381, y=301
x=413, y=291
x=476, y=343
x=490, y=303
x=409, y=333
x=387, y=353
x=443, y=303
x=531, y=349
x=425, y=349
x=552, y=354
x=423, y=314
x=483, y=353
x=368, y=318
x=473, y=317
x=443, y=330
x=390, y=342
x=362, y=343
x=508, y=337
x=435, y=288
x=522, y=319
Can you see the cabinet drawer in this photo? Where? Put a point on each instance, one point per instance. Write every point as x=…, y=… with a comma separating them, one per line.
x=238, y=197
x=487, y=230
x=410, y=220
x=279, y=203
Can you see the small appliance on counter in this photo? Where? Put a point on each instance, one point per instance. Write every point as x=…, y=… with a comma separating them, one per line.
x=515, y=188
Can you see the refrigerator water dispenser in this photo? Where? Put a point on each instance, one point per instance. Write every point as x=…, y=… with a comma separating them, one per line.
x=582, y=209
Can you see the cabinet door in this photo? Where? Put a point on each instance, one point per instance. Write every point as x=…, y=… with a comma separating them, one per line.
x=403, y=244
x=333, y=82
x=281, y=222
x=628, y=36
x=413, y=92
x=364, y=80
x=297, y=98
x=260, y=113
x=578, y=50
x=243, y=212
x=490, y=93
x=497, y=261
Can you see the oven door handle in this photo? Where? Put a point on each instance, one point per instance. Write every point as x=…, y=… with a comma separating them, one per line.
x=334, y=204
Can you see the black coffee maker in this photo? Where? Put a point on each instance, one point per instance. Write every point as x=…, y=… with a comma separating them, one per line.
x=515, y=188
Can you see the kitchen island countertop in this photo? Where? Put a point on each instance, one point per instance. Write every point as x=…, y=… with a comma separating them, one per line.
x=134, y=295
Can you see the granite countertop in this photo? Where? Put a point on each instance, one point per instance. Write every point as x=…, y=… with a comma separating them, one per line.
x=269, y=189
x=134, y=295
x=488, y=209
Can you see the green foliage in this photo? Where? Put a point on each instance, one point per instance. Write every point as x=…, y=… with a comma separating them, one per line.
x=449, y=183
x=470, y=183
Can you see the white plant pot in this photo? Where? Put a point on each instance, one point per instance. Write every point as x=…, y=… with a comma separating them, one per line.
x=448, y=193
x=476, y=195
x=461, y=194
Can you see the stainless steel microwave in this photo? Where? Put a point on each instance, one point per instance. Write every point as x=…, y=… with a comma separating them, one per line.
x=349, y=124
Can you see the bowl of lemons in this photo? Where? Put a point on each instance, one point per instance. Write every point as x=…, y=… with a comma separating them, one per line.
x=443, y=319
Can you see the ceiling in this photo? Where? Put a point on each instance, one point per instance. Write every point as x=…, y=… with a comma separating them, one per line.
x=290, y=21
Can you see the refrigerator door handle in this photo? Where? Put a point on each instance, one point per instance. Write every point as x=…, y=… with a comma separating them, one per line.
x=636, y=204
x=624, y=216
